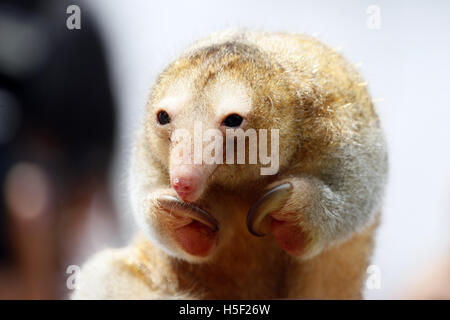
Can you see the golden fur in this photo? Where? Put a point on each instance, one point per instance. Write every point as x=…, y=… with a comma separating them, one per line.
x=331, y=150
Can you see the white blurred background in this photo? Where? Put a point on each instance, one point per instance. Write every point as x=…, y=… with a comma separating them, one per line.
x=405, y=62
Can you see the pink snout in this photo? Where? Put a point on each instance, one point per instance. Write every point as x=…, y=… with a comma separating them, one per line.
x=186, y=187
x=189, y=181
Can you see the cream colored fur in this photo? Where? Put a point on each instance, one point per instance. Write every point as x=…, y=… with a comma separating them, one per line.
x=332, y=151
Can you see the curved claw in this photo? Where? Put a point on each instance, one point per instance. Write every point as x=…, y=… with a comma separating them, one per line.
x=173, y=204
x=271, y=201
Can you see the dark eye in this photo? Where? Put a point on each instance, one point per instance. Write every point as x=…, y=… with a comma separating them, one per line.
x=233, y=120
x=163, y=117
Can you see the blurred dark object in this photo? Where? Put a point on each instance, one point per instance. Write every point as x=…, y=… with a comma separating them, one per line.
x=57, y=134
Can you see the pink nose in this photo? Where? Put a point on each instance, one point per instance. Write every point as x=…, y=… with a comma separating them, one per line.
x=183, y=186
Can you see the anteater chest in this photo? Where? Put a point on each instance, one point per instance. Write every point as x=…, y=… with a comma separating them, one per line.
x=247, y=268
